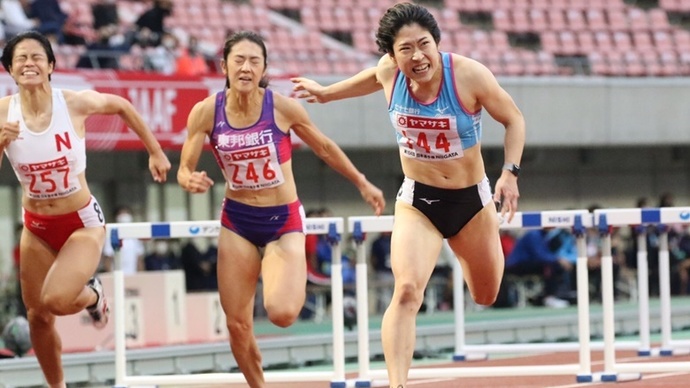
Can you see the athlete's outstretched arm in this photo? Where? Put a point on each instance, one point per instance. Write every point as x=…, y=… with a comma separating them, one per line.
x=360, y=84
x=197, y=129
x=328, y=151
x=500, y=105
x=91, y=102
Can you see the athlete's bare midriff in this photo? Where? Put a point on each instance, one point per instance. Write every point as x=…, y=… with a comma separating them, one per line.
x=280, y=195
x=59, y=206
x=450, y=174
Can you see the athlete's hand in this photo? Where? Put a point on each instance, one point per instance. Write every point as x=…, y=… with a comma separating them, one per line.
x=199, y=182
x=308, y=90
x=159, y=165
x=374, y=197
x=507, y=194
x=9, y=133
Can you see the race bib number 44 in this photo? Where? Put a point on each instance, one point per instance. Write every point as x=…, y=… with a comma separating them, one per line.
x=253, y=168
x=428, y=138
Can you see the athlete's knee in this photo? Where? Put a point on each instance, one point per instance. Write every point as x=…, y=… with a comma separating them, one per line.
x=283, y=315
x=39, y=319
x=409, y=294
x=486, y=295
x=57, y=304
x=239, y=328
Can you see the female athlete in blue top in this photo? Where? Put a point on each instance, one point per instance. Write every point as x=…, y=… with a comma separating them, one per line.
x=435, y=101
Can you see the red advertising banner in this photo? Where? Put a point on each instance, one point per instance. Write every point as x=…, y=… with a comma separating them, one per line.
x=163, y=101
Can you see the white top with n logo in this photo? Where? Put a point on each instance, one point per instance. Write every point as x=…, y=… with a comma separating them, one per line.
x=47, y=163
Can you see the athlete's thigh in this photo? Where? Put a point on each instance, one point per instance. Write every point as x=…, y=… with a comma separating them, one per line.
x=479, y=249
x=76, y=262
x=415, y=246
x=36, y=260
x=284, y=267
x=238, y=269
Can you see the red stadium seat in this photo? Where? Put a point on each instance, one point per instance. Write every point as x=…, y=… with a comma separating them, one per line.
x=576, y=19
x=638, y=19
x=537, y=19
x=617, y=19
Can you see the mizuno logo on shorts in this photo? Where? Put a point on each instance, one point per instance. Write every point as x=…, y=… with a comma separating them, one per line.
x=429, y=201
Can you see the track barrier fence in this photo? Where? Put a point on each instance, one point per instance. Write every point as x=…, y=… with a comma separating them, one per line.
x=578, y=221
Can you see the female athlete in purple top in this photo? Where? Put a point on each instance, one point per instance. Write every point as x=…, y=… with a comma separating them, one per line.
x=249, y=127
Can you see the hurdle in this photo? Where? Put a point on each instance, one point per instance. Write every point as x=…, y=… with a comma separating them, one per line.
x=605, y=219
x=535, y=220
x=576, y=219
x=331, y=226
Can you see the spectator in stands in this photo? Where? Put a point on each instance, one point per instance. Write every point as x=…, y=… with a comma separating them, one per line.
x=190, y=60
x=163, y=58
x=101, y=54
x=682, y=264
x=544, y=252
x=105, y=14
x=151, y=24
x=50, y=19
x=15, y=19
x=75, y=31
x=427, y=89
x=262, y=219
x=131, y=250
x=163, y=258
x=199, y=268
x=381, y=263
x=108, y=43
x=106, y=23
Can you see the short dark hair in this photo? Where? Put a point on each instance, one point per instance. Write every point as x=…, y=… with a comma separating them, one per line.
x=400, y=15
x=8, y=51
x=252, y=37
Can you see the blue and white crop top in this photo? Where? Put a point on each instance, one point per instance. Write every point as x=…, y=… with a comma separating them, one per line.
x=439, y=130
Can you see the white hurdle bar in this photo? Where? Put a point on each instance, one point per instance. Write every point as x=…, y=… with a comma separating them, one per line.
x=331, y=226
x=564, y=219
x=577, y=219
x=605, y=219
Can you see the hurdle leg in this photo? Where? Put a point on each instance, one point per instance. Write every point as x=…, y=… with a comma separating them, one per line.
x=665, y=294
x=585, y=373
x=363, y=380
x=643, y=292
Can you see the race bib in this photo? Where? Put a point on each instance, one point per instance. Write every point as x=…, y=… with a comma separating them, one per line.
x=428, y=138
x=50, y=179
x=253, y=168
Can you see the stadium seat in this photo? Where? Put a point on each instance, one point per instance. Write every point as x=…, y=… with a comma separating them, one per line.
x=622, y=41
x=642, y=40
x=585, y=40
x=617, y=19
x=576, y=19
x=537, y=19
x=596, y=20
x=638, y=20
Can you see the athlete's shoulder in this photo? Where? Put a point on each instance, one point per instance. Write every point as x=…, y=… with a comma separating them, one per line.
x=207, y=106
x=386, y=69
x=4, y=107
x=283, y=103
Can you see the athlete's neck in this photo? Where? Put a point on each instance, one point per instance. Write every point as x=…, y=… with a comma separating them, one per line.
x=36, y=101
x=243, y=103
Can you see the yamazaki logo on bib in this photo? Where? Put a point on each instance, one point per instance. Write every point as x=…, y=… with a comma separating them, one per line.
x=49, y=165
x=412, y=122
x=253, y=154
